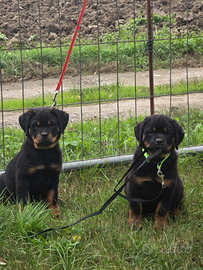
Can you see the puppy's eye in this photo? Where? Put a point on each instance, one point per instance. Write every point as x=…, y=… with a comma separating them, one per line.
x=167, y=132
x=151, y=132
x=36, y=124
x=51, y=123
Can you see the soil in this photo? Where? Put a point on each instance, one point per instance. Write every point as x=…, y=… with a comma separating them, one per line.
x=58, y=19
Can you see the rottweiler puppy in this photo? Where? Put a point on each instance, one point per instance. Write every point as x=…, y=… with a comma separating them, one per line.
x=33, y=174
x=157, y=131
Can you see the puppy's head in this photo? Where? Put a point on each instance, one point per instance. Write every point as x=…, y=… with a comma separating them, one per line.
x=159, y=131
x=44, y=126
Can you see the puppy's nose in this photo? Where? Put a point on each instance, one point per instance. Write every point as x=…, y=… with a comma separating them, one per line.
x=44, y=134
x=159, y=141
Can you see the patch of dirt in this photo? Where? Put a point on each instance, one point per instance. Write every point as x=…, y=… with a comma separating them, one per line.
x=54, y=20
x=49, y=22
x=37, y=87
x=142, y=107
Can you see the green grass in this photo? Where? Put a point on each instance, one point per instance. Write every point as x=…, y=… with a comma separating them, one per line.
x=105, y=93
x=115, y=48
x=96, y=139
x=106, y=241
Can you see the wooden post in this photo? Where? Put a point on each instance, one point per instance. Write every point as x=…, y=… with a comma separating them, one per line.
x=150, y=56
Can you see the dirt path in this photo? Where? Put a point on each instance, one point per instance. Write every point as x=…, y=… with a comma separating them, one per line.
x=34, y=88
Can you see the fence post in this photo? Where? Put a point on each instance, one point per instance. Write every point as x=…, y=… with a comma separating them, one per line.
x=150, y=56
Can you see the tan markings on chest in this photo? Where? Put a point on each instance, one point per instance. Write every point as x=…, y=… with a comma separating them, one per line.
x=140, y=180
x=52, y=166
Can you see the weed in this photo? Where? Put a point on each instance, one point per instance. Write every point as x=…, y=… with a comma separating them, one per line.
x=3, y=37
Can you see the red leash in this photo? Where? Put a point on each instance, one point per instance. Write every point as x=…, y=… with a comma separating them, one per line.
x=69, y=52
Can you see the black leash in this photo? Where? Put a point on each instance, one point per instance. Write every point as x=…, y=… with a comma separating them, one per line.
x=138, y=200
x=117, y=192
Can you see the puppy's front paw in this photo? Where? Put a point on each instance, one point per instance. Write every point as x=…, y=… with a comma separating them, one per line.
x=160, y=223
x=55, y=213
x=135, y=220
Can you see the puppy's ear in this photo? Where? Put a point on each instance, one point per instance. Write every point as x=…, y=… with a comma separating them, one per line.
x=63, y=118
x=24, y=120
x=138, y=130
x=179, y=133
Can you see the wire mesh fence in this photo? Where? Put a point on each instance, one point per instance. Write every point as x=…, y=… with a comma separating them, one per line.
x=106, y=86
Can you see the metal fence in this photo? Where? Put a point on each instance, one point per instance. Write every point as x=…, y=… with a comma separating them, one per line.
x=120, y=45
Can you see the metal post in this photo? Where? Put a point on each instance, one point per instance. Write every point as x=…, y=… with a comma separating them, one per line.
x=87, y=164
x=150, y=55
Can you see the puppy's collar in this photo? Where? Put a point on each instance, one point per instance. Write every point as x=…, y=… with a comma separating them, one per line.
x=146, y=155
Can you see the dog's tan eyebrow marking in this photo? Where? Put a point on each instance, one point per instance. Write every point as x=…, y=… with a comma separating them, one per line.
x=38, y=123
x=49, y=122
x=153, y=128
x=165, y=129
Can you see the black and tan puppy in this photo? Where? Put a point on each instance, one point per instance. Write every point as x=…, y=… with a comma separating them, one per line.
x=33, y=174
x=157, y=131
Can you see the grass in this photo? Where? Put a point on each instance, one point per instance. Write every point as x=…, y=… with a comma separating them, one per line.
x=97, y=139
x=104, y=93
x=115, y=49
x=106, y=241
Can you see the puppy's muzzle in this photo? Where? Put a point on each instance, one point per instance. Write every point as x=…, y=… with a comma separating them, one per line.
x=44, y=139
x=44, y=134
x=159, y=141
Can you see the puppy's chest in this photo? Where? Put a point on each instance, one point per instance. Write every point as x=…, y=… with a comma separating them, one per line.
x=140, y=180
x=44, y=169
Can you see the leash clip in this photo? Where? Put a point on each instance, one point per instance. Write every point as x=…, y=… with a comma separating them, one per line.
x=160, y=174
x=54, y=99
